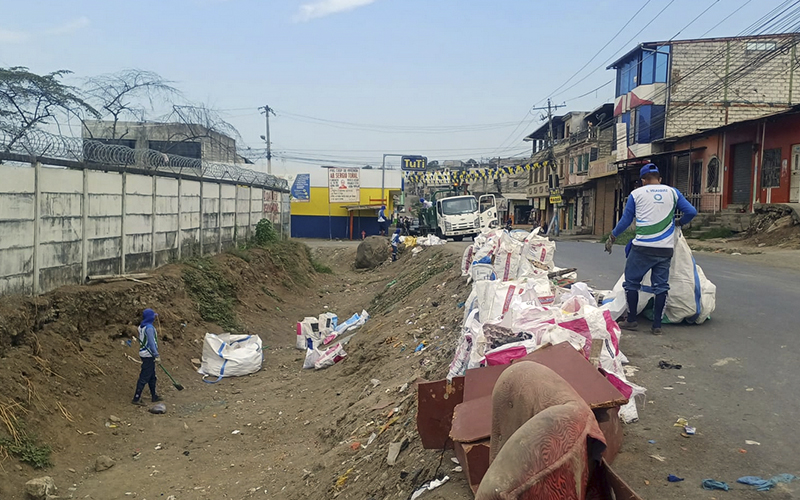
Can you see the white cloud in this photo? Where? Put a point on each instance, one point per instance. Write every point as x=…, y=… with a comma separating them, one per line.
x=9, y=36
x=322, y=8
x=70, y=27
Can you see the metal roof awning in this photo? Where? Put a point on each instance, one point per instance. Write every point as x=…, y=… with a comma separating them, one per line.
x=356, y=208
x=643, y=159
x=514, y=196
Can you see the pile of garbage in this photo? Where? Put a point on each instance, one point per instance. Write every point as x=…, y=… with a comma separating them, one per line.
x=516, y=307
x=322, y=339
x=417, y=243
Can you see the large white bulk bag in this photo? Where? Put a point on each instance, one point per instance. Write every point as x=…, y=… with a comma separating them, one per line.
x=227, y=355
x=691, y=298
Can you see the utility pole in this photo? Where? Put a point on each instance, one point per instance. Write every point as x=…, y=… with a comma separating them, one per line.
x=551, y=157
x=266, y=110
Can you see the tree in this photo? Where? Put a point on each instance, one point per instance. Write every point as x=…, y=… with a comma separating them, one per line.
x=129, y=94
x=202, y=122
x=29, y=101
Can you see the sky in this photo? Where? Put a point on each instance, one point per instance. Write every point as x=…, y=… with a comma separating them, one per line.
x=351, y=80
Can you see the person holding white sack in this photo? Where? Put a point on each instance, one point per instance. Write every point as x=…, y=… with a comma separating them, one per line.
x=653, y=207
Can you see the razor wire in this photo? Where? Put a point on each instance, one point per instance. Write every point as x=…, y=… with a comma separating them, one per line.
x=37, y=143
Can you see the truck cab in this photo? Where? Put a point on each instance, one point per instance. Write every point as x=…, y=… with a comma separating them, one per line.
x=459, y=216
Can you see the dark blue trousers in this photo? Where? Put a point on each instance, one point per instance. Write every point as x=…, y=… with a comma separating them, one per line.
x=146, y=377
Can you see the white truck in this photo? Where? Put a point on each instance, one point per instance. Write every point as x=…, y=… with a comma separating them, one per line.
x=458, y=216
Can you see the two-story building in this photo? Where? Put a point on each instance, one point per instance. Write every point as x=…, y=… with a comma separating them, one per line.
x=666, y=91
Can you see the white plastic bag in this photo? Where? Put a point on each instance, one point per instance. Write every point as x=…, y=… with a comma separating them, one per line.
x=466, y=260
x=540, y=251
x=330, y=357
x=227, y=355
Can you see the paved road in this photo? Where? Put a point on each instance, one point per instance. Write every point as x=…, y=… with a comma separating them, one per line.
x=741, y=379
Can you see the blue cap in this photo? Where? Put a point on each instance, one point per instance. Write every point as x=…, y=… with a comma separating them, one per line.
x=650, y=168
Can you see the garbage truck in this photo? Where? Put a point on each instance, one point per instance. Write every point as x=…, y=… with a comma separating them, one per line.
x=456, y=216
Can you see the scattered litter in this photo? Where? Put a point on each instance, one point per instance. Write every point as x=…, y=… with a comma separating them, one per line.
x=736, y=253
x=749, y=389
x=455, y=460
x=236, y=432
x=674, y=479
x=157, y=409
x=666, y=365
x=355, y=446
x=394, y=451
x=420, y=347
x=690, y=430
x=429, y=487
x=668, y=388
x=403, y=388
x=458, y=468
x=685, y=435
x=681, y=377
x=658, y=457
x=742, y=451
x=681, y=422
x=460, y=305
x=342, y=479
x=724, y=361
x=750, y=442
x=158, y=447
x=371, y=438
x=375, y=382
x=712, y=484
x=652, y=441
x=766, y=484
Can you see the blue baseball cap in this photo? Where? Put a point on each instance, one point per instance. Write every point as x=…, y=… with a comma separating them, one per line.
x=650, y=168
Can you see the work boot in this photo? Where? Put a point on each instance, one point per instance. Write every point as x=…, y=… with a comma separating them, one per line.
x=629, y=325
x=656, y=331
x=156, y=399
x=137, y=401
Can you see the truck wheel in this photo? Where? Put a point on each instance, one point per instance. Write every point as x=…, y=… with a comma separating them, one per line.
x=458, y=238
x=439, y=234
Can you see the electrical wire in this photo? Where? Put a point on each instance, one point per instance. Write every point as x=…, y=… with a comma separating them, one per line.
x=726, y=18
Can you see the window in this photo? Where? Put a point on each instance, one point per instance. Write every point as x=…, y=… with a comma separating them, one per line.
x=771, y=168
x=180, y=148
x=648, y=67
x=760, y=46
x=586, y=162
x=593, y=154
x=643, y=122
x=712, y=176
x=572, y=165
x=516, y=183
x=662, y=64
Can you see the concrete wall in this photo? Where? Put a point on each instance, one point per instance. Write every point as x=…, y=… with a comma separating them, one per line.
x=718, y=82
x=58, y=226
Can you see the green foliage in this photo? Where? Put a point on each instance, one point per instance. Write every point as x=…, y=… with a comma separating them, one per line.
x=321, y=268
x=26, y=450
x=318, y=267
x=28, y=100
x=717, y=232
x=215, y=296
x=265, y=233
x=241, y=252
x=622, y=239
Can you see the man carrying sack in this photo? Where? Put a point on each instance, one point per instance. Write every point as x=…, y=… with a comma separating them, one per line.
x=148, y=352
x=653, y=207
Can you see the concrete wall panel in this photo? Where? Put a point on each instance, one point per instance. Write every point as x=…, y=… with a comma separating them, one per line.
x=80, y=221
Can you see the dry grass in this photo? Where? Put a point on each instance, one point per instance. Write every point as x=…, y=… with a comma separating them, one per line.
x=64, y=412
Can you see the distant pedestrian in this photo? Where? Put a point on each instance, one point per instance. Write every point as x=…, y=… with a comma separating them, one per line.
x=383, y=224
x=395, y=244
x=425, y=203
x=544, y=227
x=653, y=207
x=148, y=353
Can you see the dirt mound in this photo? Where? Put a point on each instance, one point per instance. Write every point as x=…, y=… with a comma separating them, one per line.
x=283, y=432
x=372, y=252
x=67, y=360
x=774, y=225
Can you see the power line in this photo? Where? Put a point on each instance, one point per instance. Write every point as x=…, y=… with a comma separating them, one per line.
x=726, y=18
x=695, y=19
x=602, y=48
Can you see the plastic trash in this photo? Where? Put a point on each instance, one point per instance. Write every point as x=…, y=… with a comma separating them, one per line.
x=429, y=487
x=674, y=479
x=158, y=409
x=713, y=484
x=666, y=365
x=766, y=484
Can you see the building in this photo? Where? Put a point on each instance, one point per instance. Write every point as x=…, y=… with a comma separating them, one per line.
x=746, y=163
x=509, y=189
x=180, y=139
x=581, y=139
x=318, y=217
x=669, y=90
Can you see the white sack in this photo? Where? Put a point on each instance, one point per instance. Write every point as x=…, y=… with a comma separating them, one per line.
x=227, y=355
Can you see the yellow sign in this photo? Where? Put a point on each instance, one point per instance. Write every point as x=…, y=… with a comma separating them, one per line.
x=555, y=200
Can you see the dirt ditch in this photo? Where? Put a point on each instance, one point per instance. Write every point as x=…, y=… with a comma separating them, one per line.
x=69, y=375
